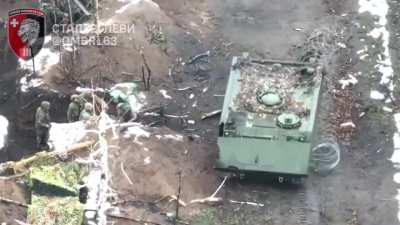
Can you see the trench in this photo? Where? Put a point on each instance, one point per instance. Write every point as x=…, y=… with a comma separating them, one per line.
x=19, y=142
x=19, y=109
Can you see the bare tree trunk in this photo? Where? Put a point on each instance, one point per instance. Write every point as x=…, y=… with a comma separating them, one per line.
x=23, y=165
x=9, y=201
x=73, y=32
x=178, y=197
x=147, y=79
x=96, y=6
x=33, y=62
x=144, y=78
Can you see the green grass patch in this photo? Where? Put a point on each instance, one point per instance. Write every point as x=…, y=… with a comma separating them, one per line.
x=206, y=217
x=55, y=211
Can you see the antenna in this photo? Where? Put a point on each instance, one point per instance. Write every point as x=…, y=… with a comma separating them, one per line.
x=178, y=197
x=33, y=61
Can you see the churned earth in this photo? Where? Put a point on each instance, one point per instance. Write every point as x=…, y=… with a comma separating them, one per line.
x=361, y=190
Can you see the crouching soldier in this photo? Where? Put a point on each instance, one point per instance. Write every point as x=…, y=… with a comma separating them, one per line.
x=123, y=112
x=87, y=112
x=74, y=109
x=42, y=125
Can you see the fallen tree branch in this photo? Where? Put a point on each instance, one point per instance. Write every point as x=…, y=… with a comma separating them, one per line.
x=23, y=165
x=75, y=148
x=21, y=223
x=247, y=203
x=127, y=73
x=125, y=174
x=289, y=63
x=9, y=201
x=220, y=186
x=212, y=197
x=132, y=219
x=186, y=88
x=173, y=197
x=13, y=177
x=210, y=114
x=205, y=200
x=174, y=116
x=82, y=7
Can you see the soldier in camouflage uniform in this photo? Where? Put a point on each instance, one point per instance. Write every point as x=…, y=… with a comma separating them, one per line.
x=42, y=125
x=74, y=109
x=87, y=112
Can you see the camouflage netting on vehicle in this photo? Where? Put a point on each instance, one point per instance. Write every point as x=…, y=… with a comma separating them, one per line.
x=56, y=180
x=55, y=211
x=281, y=79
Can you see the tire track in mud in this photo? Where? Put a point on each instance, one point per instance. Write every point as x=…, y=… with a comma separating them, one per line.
x=301, y=209
x=298, y=205
x=304, y=205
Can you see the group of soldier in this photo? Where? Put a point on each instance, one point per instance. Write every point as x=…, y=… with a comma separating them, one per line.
x=78, y=109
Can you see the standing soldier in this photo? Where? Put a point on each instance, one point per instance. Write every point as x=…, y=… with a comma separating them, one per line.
x=73, y=112
x=87, y=112
x=42, y=125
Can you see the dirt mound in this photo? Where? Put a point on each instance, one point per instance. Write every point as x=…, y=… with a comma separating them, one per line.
x=144, y=170
x=111, y=62
x=151, y=159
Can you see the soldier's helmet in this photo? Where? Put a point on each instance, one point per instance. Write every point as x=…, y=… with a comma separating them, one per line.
x=45, y=105
x=74, y=97
x=120, y=106
x=88, y=107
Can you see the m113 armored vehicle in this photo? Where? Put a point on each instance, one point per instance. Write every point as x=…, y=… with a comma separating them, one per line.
x=268, y=119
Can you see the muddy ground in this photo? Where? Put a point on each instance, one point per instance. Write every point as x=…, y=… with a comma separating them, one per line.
x=360, y=191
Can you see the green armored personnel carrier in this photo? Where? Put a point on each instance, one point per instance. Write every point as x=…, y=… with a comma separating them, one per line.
x=268, y=118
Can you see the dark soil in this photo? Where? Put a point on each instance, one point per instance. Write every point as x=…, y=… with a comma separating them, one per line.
x=360, y=191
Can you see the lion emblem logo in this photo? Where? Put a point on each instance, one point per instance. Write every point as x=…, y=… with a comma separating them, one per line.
x=26, y=31
x=29, y=31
